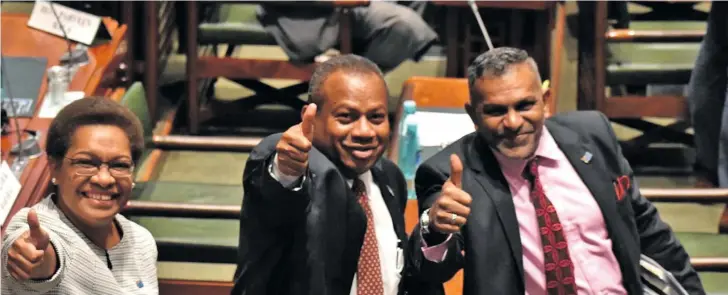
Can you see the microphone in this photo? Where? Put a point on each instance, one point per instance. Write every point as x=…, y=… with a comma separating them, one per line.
x=30, y=148
x=72, y=58
x=474, y=8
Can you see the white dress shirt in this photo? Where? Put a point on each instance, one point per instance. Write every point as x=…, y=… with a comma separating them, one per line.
x=390, y=255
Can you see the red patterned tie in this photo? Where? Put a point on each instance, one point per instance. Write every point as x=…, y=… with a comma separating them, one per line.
x=369, y=270
x=558, y=267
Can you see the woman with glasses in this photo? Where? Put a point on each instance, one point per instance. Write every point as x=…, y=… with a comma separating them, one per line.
x=75, y=241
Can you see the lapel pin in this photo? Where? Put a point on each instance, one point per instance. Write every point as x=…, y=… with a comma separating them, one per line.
x=390, y=190
x=139, y=284
x=586, y=158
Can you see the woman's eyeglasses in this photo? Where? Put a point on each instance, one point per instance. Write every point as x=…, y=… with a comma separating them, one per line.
x=91, y=167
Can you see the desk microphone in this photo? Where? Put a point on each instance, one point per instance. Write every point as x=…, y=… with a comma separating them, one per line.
x=474, y=8
x=72, y=58
x=30, y=148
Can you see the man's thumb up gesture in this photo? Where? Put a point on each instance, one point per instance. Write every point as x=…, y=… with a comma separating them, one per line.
x=450, y=211
x=32, y=256
x=293, y=147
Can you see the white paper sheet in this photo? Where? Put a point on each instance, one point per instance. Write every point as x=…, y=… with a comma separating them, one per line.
x=9, y=189
x=50, y=109
x=440, y=129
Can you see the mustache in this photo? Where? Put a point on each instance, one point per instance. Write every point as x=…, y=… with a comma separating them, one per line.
x=513, y=134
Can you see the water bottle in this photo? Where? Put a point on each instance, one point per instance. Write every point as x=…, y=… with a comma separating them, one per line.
x=408, y=108
x=409, y=148
x=58, y=82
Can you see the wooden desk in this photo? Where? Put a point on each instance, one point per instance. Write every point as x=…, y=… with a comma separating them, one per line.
x=20, y=40
x=509, y=26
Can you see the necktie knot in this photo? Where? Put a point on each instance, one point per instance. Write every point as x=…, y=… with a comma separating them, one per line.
x=531, y=170
x=359, y=188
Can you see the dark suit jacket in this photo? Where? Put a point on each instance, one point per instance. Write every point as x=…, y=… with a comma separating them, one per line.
x=493, y=256
x=308, y=241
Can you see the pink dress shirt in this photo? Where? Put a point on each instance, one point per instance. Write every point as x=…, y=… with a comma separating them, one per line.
x=596, y=268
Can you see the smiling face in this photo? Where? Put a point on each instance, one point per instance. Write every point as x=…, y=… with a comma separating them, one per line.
x=351, y=126
x=509, y=110
x=93, y=200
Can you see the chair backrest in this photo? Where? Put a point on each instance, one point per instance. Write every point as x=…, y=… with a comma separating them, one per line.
x=135, y=99
x=432, y=92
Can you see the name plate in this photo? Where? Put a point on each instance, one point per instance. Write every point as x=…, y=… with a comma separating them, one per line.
x=79, y=26
x=9, y=189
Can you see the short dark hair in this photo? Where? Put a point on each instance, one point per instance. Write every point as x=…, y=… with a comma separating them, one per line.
x=495, y=62
x=93, y=111
x=349, y=62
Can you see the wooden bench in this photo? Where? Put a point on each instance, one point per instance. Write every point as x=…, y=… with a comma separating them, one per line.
x=509, y=23
x=596, y=73
x=246, y=72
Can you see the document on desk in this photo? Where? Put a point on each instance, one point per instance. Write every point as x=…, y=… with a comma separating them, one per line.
x=50, y=108
x=442, y=128
x=9, y=189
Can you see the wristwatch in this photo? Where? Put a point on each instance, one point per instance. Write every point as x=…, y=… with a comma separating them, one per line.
x=425, y=222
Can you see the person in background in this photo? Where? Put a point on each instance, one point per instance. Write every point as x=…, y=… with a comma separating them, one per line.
x=536, y=204
x=323, y=212
x=707, y=94
x=75, y=241
x=385, y=32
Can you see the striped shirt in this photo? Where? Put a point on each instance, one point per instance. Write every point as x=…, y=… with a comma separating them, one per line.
x=84, y=268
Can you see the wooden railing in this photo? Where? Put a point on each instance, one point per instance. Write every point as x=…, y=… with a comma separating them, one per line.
x=626, y=35
x=232, y=212
x=167, y=209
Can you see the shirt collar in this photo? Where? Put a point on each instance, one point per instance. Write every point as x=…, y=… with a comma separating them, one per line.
x=546, y=149
x=365, y=177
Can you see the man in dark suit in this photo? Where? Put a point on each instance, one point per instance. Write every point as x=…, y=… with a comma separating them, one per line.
x=323, y=212
x=530, y=205
x=386, y=32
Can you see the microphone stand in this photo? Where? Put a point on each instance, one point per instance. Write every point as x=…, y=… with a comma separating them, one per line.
x=72, y=58
x=31, y=149
x=474, y=8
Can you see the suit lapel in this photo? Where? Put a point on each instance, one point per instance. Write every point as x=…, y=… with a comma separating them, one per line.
x=592, y=172
x=382, y=181
x=496, y=187
x=336, y=221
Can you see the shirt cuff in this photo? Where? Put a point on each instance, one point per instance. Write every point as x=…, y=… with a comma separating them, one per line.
x=290, y=182
x=435, y=253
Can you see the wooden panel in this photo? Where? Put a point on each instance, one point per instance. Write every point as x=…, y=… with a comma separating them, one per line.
x=181, y=287
x=533, y=5
x=626, y=35
x=237, y=68
x=220, y=143
x=634, y=106
x=430, y=92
